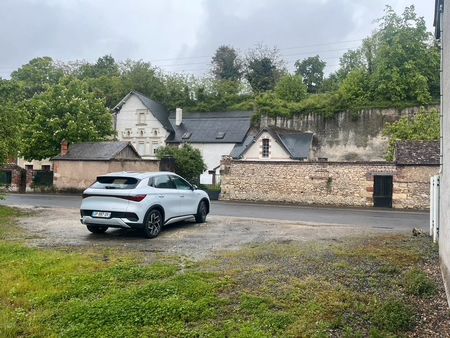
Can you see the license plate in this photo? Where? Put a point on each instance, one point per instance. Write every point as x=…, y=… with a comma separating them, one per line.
x=101, y=214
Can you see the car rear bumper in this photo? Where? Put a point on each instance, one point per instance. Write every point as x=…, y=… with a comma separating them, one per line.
x=110, y=222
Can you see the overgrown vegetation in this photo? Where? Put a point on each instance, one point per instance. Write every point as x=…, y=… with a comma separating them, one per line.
x=397, y=65
x=351, y=289
x=188, y=161
x=425, y=126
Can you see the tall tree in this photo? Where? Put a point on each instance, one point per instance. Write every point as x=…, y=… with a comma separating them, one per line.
x=291, y=88
x=142, y=77
x=350, y=61
x=67, y=111
x=226, y=64
x=312, y=71
x=105, y=66
x=406, y=61
x=264, y=68
x=37, y=75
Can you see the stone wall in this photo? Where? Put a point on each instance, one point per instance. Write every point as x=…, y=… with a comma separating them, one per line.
x=17, y=178
x=78, y=175
x=323, y=183
x=347, y=136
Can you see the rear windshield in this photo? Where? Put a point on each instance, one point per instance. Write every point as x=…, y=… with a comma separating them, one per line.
x=115, y=182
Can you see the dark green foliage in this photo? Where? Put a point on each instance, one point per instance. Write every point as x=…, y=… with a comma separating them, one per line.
x=425, y=126
x=263, y=69
x=291, y=88
x=417, y=283
x=188, y=161
x=393, y=316
x=67, y=111
x=311, y=69
x=226, y=64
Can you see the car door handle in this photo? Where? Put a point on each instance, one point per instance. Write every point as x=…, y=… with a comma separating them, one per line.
x=181, y=195
x=161, y=196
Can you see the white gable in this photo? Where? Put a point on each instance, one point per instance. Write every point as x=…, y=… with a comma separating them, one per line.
x=136, y=123
x=276, y=151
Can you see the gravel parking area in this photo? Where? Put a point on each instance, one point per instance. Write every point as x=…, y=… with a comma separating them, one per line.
x=54, y=227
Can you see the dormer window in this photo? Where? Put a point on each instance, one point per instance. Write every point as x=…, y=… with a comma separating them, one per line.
x=220, y=135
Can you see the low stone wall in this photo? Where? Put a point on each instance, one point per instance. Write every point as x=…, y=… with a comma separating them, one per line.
x=324, y=183
x=18, y=178
x=78, y=175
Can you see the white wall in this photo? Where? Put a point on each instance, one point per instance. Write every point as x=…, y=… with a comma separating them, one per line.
x=276, y=151
x=212, y=155
x=128, y=120
x=444, y=232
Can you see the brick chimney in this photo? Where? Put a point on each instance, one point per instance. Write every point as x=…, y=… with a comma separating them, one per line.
x=64, y=147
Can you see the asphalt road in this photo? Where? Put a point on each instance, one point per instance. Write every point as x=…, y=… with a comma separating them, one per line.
x=372, y=218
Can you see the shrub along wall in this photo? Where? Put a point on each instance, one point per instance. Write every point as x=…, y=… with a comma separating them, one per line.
x=324, y=183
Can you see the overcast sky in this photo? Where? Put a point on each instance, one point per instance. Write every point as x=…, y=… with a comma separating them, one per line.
x=181, y=35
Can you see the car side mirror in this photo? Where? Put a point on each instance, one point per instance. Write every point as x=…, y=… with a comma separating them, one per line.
x=194, y=187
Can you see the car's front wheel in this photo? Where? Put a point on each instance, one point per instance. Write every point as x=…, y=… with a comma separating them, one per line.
x=96, y=229
x=153, y=223
x=202, y=211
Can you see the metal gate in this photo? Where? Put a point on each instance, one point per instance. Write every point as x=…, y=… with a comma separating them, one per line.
x=43, y=178
x=382, y=191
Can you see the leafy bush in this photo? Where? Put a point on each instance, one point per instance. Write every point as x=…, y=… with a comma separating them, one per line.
x=188, y=161
x=393, y=316
x=418, y=284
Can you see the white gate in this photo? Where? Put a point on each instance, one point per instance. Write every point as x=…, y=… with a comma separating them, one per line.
x=434, y=207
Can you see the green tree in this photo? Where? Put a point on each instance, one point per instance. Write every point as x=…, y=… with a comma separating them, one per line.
x=68, y=110
x=226, y=64
x=142, y=77
x=350, y=61
x=405, y=61
x=263, y=69
x=105, y=66
x=354, y=88
x=311, y=69
x=10, y=126
x=425, y=126
x=291, y=88
x=37, y=75
x=188, y=161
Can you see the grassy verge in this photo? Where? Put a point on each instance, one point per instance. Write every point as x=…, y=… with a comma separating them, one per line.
x=363, y=287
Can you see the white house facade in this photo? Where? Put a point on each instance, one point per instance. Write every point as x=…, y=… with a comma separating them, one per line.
x=142, y=122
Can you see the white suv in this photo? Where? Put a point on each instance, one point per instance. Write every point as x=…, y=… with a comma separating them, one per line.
x=141, y=201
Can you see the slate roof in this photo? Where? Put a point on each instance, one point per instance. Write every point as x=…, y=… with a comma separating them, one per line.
x=158, y=110
x=99, y=151
x=214, y=127
x=417, y=153
x=297, y=144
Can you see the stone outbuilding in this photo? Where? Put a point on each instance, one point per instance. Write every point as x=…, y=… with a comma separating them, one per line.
x=78, y=165
x=403, y=184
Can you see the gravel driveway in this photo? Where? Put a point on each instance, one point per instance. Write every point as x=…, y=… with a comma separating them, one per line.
x=57, y=227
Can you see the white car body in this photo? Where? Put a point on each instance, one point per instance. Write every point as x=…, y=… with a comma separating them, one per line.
x=126, y=200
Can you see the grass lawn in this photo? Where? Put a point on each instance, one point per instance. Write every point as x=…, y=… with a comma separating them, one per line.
x=362, y=287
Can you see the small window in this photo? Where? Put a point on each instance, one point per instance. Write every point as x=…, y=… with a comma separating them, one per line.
x=5, y=177
x=29, y=167
x=180, y=183
x=141, y=132
x=141, y=148
x=46, y=167
x=141, y=118
x=265, y=147
x=155, y=131
x=220, y=135
x=127, y=132
x=155, y=146
x=186, y=135
x=163, y=182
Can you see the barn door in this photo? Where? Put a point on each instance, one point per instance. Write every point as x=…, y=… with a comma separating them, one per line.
x=382, y=191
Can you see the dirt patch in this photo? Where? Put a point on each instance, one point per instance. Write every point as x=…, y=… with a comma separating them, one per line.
x=55, y=227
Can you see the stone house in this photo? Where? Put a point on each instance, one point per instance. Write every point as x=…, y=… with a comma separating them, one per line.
x=78, y=165
x=274, y=144
x=403, y=184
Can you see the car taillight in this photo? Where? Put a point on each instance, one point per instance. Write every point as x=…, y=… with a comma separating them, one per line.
x=136, y=198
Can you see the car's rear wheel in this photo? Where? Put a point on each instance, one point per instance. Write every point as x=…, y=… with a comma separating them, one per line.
x=153, y=223
x=97, y=229
x=202, y=211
